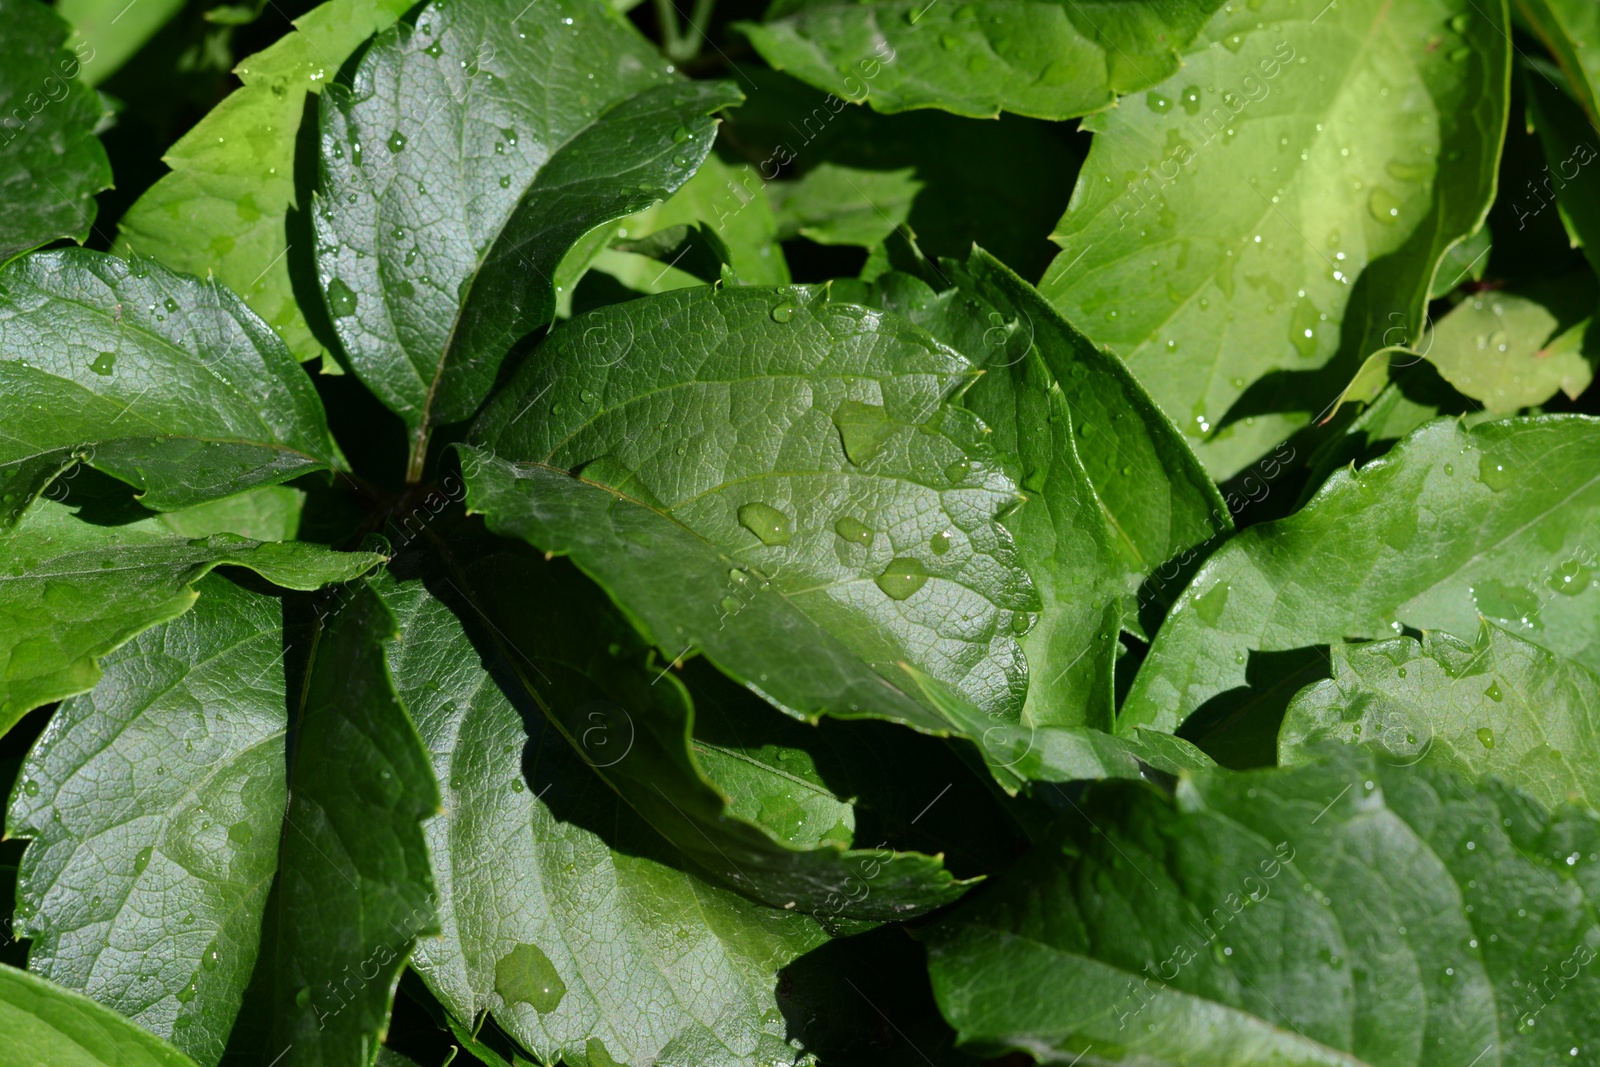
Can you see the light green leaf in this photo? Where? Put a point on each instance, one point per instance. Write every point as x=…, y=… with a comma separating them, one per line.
x=584, y=936
x=1339, y=914
x=1452, y=524
x=150, y=859
x=224, y=209
x=107, y=33
x=776, y=480
x=70, y=592
x=169, y=383
x=1513, y=351
x=270, y=514
x=51, y=162
x=834, y=205
x=1280, y=205
x=732, y=199
x=354, y=892
x=1048, y=60
x=468, y=155
x=47, y=1026
x=1501, y=707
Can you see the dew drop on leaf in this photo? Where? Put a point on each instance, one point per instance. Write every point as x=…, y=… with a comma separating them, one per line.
x=104, y=364
x=142, y=859
x=863, y=429
x=1383, y=205
x=766, y=522
x=341, y=301
x=1485, y=737
x=853, y=529
x=784, y=311
x=902, y=577
x=525, y=975
x=396, y=141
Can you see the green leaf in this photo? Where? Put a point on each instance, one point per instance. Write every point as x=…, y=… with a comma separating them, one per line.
x=47, y=1026
x=1463, y=262
x=732, y=199
x=224, y=208
x=1501, y=707
x=1048, y=60
x=1570, y=29
x=1118, y=490
x=1452, y=524
x=51, y=162
x=169, y=383
x=755, y=812
x=1569, y=148
x=469, y=154
x=1280, y=205
x=1511, y=350
x=834, y=205
x=106, y=33
x=70, y=592
x=154, y=805
x=583, y=934
x=785, y=125
x=776, y=480
x=354, y=892
x=1348, y=912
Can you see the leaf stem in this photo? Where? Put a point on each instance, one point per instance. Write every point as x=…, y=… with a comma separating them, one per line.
x=419, y=456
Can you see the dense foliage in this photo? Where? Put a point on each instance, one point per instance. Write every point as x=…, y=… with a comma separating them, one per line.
x=841, y=532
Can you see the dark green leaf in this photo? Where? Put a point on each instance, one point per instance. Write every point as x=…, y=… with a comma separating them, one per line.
x=760, y=819
x=1452, y=524
x=778, y=481
x=354, y=892
x=154, y=805
x=1571, y=30
x=469, y=154
x=563, y=914
x=167, y=382
x=51, y=162
x=1344, y=913
x=70, y=592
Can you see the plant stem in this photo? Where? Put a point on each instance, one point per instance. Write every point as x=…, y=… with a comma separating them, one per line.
x=419, y=456
x=667, y=21
x=683, y=45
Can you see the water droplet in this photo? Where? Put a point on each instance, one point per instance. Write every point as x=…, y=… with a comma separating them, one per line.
x=341, y=301
x=957, y=471
x=510, y=134
x=210, y=960
x=902, y=577
x=1209, y=605
x=766, y=522
x=433, y=50
x=396, y=141
x=1190, y=99
x=1485, y=737
x=784, y=311
x=1493, y=692
x=142, y=859
x=31, y=787
x=1496, y=473
x=940, y=542
x=1157, y=103
x=505, y=181
x=1303, y=327
x=863, y=429
x=170, y=304
x=853, y=529
x=525, y=975
x=1383, y=204
x=680, y=135
x=104, y=363
x=240, y=833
